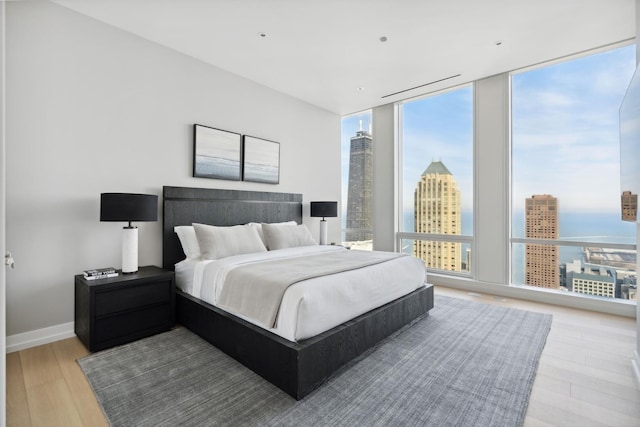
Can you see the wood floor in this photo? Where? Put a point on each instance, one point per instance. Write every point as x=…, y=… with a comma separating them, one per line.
x=584, y=378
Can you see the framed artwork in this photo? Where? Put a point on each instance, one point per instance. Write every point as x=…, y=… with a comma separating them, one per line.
x=216, y=153
x=261, y=160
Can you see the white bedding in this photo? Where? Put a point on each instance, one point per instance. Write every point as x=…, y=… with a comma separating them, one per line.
x=316, y=305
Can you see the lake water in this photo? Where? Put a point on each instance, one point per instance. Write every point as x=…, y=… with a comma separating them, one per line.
x=258, y=172
x=596, y=227
x=217, y=167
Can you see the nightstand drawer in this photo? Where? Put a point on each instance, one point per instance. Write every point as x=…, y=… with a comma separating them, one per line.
x=127, y=298
x=132, y=323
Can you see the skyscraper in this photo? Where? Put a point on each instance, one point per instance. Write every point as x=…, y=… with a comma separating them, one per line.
x=359, y=227
x=629, y=206
x=541, y=222
x=437, y=211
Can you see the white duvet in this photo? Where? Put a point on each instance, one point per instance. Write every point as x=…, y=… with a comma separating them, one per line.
x=316, y=305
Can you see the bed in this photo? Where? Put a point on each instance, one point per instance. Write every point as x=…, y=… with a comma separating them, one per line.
x=296, y=367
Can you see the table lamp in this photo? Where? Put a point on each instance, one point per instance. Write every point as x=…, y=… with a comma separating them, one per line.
x=324, y=210
x=129, y=207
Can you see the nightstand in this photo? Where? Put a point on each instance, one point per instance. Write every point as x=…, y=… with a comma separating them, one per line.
x=121, y=309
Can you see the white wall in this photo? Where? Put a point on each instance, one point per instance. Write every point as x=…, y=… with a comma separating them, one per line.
x=93, y=109
x=3, y=360
x=491, y=179
x=383, y=197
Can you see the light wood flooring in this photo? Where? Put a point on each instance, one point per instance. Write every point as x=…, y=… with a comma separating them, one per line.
x=584, y=377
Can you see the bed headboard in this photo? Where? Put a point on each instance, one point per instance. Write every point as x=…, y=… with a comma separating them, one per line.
x=184, y=206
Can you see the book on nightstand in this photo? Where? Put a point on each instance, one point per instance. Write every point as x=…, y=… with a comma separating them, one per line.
x=100, y=273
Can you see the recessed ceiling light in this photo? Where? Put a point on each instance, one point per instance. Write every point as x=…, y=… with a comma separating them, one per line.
x=383, y=39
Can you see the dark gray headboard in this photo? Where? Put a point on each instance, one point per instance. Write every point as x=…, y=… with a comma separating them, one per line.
x=184, y=206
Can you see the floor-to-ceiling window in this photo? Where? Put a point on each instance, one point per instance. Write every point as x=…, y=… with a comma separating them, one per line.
x=567, y=231
x=357, y=181
x=436, y=179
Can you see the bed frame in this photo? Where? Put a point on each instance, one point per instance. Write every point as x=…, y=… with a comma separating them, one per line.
x=297, y=368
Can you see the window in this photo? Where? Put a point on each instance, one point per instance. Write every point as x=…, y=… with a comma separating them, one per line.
x=357, y=181
x=567, y=232
x=436, y=134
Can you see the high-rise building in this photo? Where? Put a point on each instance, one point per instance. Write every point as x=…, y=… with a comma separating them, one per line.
x=437, y=211
x=593, y=281
x=629, y=203
x=359, y=227
x=541, y=222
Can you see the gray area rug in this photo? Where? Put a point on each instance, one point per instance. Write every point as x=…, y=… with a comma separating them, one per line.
x=466, y=364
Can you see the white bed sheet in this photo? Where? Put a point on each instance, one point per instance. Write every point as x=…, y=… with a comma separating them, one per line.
x=189, y=272
x=316, y=305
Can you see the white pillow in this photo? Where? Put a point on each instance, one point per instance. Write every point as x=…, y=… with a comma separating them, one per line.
x=258, y=226
x=287, y=236
x=221, y=242
x=188, y=240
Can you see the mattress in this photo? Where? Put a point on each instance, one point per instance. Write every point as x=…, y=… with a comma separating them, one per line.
x=316, y=305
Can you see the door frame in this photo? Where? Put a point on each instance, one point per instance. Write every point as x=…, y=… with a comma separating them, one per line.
x=3, y=295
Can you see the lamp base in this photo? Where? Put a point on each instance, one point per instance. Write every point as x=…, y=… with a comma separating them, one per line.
x=129, y=250
x=323, y=232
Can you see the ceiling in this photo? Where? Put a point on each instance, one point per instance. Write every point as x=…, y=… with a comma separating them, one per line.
x=329, y=52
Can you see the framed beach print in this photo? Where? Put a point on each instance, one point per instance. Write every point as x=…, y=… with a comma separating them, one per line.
x=261, y=160
x=216, y=153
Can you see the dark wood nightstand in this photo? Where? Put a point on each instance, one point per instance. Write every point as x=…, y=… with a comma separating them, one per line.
x=121, y=309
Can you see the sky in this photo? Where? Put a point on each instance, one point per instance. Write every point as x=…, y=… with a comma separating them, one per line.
x=565, y=134
x=439, y=128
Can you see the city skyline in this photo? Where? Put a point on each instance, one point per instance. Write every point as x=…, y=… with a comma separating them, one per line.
x=594, y=271
x=565, y=142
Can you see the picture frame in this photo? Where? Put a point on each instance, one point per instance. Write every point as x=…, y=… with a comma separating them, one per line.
x=261, y=160
x=217, y=153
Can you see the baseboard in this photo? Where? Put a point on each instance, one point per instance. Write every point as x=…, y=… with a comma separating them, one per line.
x=38, y=337
x=546, y=296
x=635, y=363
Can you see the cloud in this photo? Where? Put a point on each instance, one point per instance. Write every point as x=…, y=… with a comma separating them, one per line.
x=566, y=130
